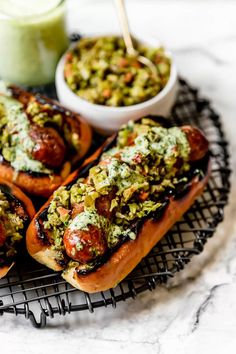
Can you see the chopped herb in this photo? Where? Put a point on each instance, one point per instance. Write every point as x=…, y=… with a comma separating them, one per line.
x=99, y=70
x=136, y=173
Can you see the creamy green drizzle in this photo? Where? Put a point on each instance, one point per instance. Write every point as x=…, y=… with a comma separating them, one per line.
x=91, y=217
x=136, y=175
x=15, y=142
x=86, y=218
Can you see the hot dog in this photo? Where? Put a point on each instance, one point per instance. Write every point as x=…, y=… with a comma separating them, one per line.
x=120, y=203
x=40, y=141
x=16, y=211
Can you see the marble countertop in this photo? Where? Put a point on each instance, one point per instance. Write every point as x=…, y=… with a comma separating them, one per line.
x=197, y=311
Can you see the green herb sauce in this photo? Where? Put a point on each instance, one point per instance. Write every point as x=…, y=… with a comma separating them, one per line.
x=15, y=143
x=138, y=173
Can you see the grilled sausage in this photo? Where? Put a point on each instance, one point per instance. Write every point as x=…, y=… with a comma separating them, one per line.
x=198, y=148
x=198, y=143
x=49, y=146
x=53, y=148
x=85, y=246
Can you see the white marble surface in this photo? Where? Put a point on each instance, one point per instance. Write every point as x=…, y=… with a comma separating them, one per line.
x=197, y=312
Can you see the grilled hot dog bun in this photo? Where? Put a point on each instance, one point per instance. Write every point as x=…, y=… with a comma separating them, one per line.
x=122, y=262
x=120, y=203
x=41, y=141
x=16, y=211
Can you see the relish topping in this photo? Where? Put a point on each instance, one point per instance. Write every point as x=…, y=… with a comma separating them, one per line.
x=99, y=70
x=16, y=121
x=147, y=161
x=15, y=143
x=12, y=228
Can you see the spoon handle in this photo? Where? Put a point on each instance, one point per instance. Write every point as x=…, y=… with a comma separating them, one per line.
x=125, y=26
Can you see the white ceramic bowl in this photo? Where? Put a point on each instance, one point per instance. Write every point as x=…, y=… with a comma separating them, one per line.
x=109, y=119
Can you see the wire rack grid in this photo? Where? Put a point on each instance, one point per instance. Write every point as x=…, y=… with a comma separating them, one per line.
x=39, y=293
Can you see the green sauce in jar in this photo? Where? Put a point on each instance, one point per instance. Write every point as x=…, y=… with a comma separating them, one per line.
x=32, y=39
x=100, y=70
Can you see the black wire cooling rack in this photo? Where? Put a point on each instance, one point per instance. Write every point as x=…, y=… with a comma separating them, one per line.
x=39, y=293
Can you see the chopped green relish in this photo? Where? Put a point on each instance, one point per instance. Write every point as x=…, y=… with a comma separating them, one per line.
x=13, y=227
x=136, y=172
x=99, y=70
x=16, y=144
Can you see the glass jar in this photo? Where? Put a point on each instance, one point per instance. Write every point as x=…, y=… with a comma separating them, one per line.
x=32, y=39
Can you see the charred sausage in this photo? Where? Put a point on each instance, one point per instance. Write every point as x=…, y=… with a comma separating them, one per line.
x=49, y=146
x=60, y=141
x=85, y=246
x=92, y=237
x=197, y=142
x=89, y=240
x=103, y=205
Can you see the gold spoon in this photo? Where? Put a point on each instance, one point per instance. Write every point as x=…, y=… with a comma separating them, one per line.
x=128, y=40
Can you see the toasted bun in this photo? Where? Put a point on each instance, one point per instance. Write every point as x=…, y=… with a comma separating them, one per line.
x=40, y=186
x=128, y=255
x=126, y=258
x=44, y=185
x=28, y=207
x=5, y=269
x=37, y=248
x=14, y=190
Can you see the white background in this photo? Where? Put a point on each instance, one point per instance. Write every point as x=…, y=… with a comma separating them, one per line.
x=202, y=36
